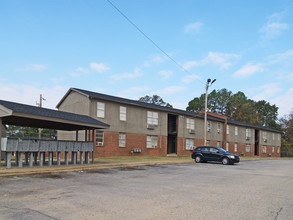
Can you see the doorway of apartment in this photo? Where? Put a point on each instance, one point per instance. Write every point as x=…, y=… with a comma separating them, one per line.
x=256, y=142
x=172, y=134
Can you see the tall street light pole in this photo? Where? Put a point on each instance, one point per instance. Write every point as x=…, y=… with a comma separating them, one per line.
x=40, y=105
x=205, y=110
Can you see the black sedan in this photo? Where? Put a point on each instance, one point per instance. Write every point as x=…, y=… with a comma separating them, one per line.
x=208, y=153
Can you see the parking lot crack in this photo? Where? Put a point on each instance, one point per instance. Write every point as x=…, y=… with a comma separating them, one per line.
x=278, y=213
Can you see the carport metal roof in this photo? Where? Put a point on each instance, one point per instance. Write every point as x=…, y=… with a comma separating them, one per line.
x=31, y=116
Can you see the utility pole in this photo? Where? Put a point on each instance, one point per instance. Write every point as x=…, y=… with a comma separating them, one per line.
x=40, y=105
x=205, y=110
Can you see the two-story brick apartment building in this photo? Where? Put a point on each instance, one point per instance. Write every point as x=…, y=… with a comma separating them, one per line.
x=147, y=129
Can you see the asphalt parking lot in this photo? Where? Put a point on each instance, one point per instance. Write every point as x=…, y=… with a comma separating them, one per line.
x=255, y=189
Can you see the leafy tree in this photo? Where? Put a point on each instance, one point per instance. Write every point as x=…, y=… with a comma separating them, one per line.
x=286, y=123
x=155, y=100
x=19, y=131
x=197, y=104
x=237, y=107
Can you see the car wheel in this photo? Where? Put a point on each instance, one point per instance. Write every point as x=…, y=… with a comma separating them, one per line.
x=197, y=159
x=225, y=161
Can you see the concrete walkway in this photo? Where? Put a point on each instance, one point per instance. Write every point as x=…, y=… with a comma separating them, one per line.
x=100, y=163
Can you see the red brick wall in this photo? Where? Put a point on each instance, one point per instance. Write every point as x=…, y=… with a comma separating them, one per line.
x=111, y=145
x=269, y=151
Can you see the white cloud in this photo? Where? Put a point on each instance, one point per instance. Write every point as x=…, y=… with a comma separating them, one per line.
x=190, y=78
x=99, y=67
x=284, y=102
x=193, y=27
x=82, y=70
x=170, y=90
x=248, y=70
x=223, y=60
x=274, y=27
x=281, y=57
x=165, y=74
x=266, y=91
x=136, y=74
x=36, y=67
x=29, y=94
x=134, y=92
x=188, y=65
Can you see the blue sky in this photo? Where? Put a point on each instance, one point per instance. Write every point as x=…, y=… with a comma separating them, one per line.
x=46, y=47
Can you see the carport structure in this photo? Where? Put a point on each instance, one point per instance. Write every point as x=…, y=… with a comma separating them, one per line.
x=12, y=113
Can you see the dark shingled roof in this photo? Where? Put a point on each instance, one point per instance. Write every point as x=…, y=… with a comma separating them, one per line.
x=95, y=95
x=74, y=120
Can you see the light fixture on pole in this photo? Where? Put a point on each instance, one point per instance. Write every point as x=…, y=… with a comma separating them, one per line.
x=205, y=109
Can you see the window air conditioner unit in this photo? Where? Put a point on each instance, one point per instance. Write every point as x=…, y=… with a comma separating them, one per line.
x=265, y=140
x=191, y=131
x=247, y=138
x=209, y=130
x=218, y=131
x=151, y=127
x=100, y=144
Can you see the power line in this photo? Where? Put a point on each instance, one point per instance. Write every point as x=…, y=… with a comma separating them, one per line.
x=147, y=37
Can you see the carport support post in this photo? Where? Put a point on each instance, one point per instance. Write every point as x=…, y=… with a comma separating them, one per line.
x=81, y=157
x=16, y=158
x=31, y=161
x=20, y=160
x=74, y=154
x=41, y=162
x=58, y=158
x=8, y=160
x=93, y=140
x=50, y=159
x=66, y=158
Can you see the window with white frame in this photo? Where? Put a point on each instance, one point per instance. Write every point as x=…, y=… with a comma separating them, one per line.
x=273, y=136
x=264, y=149
x=209, y=126
x=235, y=147
x=278, y=150
x=100, y=138
x=279, y=136
x=227, y=146
x=122, y=139
x=236, y=131
x=264, y=135
x=228, y=129
x=218, y=143
x=152, y=141
x=248, y=133
x=218, y=127
x=123, y=113
x=190, y=123
x=152, y=118
x=189, y=144
x=247, y=148
x=273, y=149
x=208, y=143
x=100, y=110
